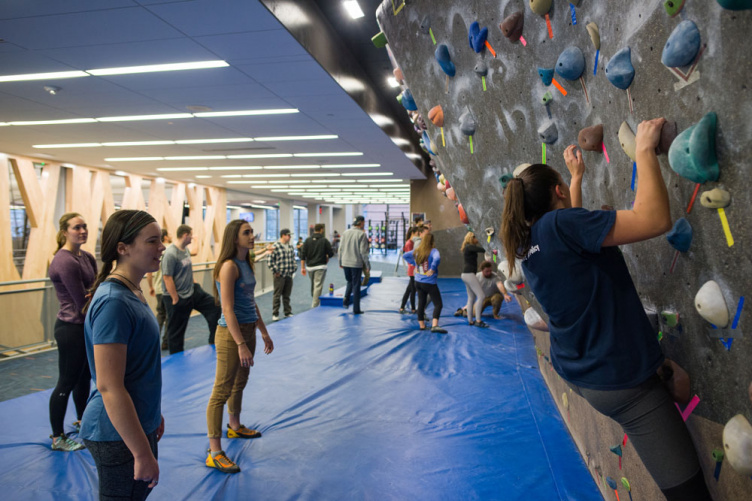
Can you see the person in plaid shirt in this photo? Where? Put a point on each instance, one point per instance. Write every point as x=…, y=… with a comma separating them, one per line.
x=283, y=265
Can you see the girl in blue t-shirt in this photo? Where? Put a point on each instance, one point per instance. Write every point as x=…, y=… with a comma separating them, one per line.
x=235, y=340
x=123, y=420
x=602, y=342
x=426, y=260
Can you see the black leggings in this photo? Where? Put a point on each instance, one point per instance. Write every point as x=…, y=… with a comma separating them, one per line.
x=425, y=290
x=74, y=374
x=409, y=293
x=656, y=429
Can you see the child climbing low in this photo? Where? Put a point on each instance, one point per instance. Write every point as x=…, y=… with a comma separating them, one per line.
x=602, y=342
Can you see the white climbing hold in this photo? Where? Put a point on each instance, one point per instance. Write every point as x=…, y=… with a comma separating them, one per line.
x=511, y=287
x=627, y=141
x=534, y=320
x=737, y=444
x=516, y=277
x=710, y=304
x=518, y=170
x=715, y=198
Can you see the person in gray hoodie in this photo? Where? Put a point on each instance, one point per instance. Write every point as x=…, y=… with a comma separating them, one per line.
x=314, y=256
x=353, y=258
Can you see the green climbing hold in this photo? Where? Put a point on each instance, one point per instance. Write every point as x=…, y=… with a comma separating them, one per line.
x=673, y=7
x=692, y=154
x=379, y=39
x=717, y=455
x=625, y=483
x=547, y=97
x=671, y=318
x=504, y=179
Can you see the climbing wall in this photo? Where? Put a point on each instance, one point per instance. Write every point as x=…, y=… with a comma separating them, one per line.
x=506, y=101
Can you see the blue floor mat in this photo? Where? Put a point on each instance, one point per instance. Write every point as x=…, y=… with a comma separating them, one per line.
x=351, y=408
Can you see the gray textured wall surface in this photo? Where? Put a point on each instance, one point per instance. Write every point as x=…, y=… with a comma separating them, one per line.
x=509, y=114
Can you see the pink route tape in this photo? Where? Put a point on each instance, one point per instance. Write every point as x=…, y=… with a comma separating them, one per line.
x=524, y=42
x=605, y=153
x=690, y=407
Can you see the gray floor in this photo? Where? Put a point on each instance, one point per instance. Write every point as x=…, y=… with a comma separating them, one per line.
x=39, y=372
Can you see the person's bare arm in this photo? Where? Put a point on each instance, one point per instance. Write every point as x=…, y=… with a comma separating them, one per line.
x=169, y=283
x=576, y=166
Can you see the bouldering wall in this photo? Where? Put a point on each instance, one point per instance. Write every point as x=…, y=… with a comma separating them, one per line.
x=500, y=108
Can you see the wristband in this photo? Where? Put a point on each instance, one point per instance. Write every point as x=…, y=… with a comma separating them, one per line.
x=241, y=344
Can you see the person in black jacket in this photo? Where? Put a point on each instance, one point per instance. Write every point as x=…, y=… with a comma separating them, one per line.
x=475, y=294
x=315, y=252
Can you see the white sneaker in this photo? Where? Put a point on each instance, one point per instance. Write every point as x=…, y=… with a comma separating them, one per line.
x=275, y=318
x=288, y=315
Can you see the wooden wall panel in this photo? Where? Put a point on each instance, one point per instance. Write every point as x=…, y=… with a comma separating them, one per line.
x=8, y=271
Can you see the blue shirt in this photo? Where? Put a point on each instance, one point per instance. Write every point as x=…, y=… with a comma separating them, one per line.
x=117, y=316
x=245, y=302
x=601, y=337
x=432, y=263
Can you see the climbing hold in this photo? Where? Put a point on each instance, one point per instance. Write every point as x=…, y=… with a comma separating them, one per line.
x=516, y=277
x=692, y=154
x=715, y=198
x=446, y=183
x=676, y=381
x=682, y=45
x=591, y=138
x=468, y=124
x=565, y=400
x=444, y=60
x=442, y=179
x=504, y=179
x=548, y=132
x=595, y=35
x=379, y=39
x=425, y=25
x=428, y=144
x=546, y=75
x=673, y=7
x=398, y=75
x=669, y=132
x=451, y=195
x=735, y=4
x=571, y=63
x=710, y=304
x=611, y=482
x=619, y=69
x=477, y=37
x=737, y=444
x=463, y=215
x=407, y=100
x=540, y=7
x=512, y=26
x=671, y=318
x=441, y=186
x=547, y=98
x=436, y=116
x=627, y=141
x=616, y=449
x=680, y=236
x=534, y=320
x=481, y=68
x=518, y=170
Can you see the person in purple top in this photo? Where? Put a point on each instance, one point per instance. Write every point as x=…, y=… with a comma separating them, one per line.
x=426, y=260
x=72, y=271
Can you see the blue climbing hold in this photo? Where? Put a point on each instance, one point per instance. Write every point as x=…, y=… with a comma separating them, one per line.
x=546, y=75
x=442, y=56
x=682, y=45
x=571, y=63
x=616, y=449
x=735, y=4
x=619, y=69
x=692, y=154
x=408, y=101
x=428, y=144
x=611, y=483
x=477, y=37
x=680, y=236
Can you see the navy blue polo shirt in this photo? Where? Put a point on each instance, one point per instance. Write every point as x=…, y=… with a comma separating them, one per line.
x=601, y=337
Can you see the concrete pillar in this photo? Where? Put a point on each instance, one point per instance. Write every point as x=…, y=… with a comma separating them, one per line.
x=286, y=214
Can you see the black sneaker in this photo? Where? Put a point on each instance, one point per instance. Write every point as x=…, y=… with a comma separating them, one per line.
x=438, y=330
x=481, y=324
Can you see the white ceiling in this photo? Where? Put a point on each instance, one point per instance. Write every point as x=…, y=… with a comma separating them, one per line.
x=268, y=70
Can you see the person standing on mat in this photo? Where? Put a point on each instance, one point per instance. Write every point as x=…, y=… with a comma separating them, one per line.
x=353, y=258
x=181, y=295
x=314, y=256
x=72, y=272
x=426, y=259
x=475, y=296
x=283, y=265
x=410, y=289
x=493, y=288
x=156, y=286
x=234, y=289
x=602, y=342
x=123, y=420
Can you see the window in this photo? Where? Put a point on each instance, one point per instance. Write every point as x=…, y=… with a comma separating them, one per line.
x=271, y=233
x=300, y=223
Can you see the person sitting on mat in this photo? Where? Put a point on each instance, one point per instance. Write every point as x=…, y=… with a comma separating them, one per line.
x=493, y=288
x=426, y=260
x=235, y=341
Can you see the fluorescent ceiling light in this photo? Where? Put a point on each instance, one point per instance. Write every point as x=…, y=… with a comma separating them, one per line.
x=171, y=116
x=350, y=166
x=299, y=207
x=392, y=82
x=353, y=8
x=245, y=113
x=226, y=176
x=209, y=141
x=151, y=68
x=129, y=118
x=68, y=145
x=292, y=167
x=258, y=202
x=203, y=177
x=399, y=141
x=238, y=167
x=197, y=157
x=353, y=174
x=350, y=84
x=265, y=155
x=380, y=181
x=331, y=154
x=413, y=155
x=55, y=122
x=133, y=159
x=292, y=181
x=279, y=190
x=390, y=186
x=181, y=169
x=309, y=196
x=265, y=175
x=381, y=120
x=313, y=175
x=296, y=138
x=139, y=143
x=43, y=76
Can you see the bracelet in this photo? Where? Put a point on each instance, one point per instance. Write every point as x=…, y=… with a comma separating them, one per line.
x=241, y=344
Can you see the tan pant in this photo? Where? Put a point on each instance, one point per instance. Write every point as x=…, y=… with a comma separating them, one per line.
x=230, y=379
x=496, y=300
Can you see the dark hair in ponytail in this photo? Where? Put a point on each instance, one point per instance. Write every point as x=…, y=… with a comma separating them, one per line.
x=526, y=198
x=63, y=227
x=123, y=226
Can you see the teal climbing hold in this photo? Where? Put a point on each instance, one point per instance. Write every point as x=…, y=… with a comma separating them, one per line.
x=504, y=179
x=680, y=236
x=682, y=45
x=619, y=69
x=616, y=449
x=546, y=75
x=735, y=4
x=571, y=63
x=408, y=101
x=692, y=154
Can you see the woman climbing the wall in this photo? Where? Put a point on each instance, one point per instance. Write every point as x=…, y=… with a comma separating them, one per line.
x=410, y=290
x=602, y=342
x=72, y=271
x=475, y=295
x=234, y=290
x=426, y=260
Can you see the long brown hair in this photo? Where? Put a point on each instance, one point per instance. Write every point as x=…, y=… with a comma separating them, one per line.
x=228, y=251
x=467, y=241
x=123, y=226
x=63, y=225
x=526, y=198
x=424, y=249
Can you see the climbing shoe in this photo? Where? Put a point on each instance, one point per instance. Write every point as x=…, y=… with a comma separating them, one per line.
x=242, y=432
x=221, y=462
x=459, y=312
x=481, y=324
x=63, y=443
x=438, y=330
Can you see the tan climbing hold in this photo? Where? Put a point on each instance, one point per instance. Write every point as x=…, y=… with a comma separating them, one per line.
x=436, y=116
x=715, y=198
x=737, y=444
x=540, y=7
x=518, y=170
x=451, y=195
x=398, y=75
x=591, y=138
x=710, y=304
x=627, y=141
x=595, y=35
x=534, y=320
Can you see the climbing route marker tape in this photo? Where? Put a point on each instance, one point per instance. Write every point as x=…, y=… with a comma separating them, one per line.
x=726, y=342
x=738, y=313
x=689, y=408
x=548, y=25
x=490, y=49
x=584, y=89
x=484, y=83
x=692, y=200
x=605, y=153
x=726, y=229
x=430, y=32
x=443, y=142
x=471, y=145
x=524, y=42
x=397, y=9
x=574, y=14
x=629, y=98
x=544, y=153
x=673, y=263
x=595, y=66
x=558, y=86
x=634, y=174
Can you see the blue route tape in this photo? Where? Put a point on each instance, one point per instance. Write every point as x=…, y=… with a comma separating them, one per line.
x=727, y=342
x=574, y=15
x=738, y=313
x=717, y=472
x=634, y=173
x=595, y=67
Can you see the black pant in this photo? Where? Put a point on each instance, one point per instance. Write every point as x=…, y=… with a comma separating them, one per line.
x=425, y=290
x=161, y=312
x=179, y=314
x=282, y=290
x=409, y=293
x=74, y=374
x=115, y=466
x=352, y=275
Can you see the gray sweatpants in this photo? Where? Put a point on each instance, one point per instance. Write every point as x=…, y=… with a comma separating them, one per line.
x=475, y=295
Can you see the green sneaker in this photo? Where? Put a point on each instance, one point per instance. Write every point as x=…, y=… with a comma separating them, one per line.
x=63, y=443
